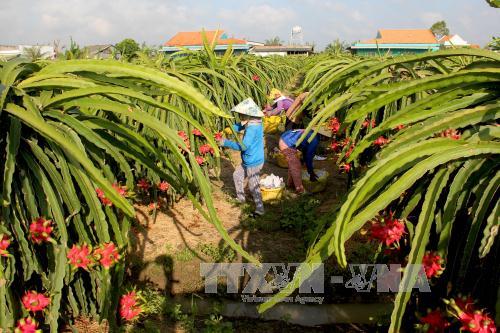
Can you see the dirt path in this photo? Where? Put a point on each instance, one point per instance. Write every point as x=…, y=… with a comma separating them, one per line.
x=167, y=251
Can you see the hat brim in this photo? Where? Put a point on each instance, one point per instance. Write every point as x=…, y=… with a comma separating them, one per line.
x=259, y=114
x=324, y=131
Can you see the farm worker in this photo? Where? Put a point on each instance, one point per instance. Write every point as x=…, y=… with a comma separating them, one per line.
x=293, y=118
x=281, y=103
x=288, y=147
x=252, y=152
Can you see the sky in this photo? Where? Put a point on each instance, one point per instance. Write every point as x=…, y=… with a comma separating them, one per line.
x=155, y=21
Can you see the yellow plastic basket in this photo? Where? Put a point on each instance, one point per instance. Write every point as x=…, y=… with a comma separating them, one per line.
x=272, y=194
x=281, y=159
x=317, y=186
x=273, y=124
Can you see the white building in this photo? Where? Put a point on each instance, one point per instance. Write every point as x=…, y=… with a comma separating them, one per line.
x=11, y=51
x=285, y=50
x=452, y=40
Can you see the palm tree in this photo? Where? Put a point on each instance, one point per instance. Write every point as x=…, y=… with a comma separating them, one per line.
x=34, y=53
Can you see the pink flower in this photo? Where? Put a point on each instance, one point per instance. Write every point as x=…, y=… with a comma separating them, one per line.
x=255, y=77
x=105, y=201
x=200, y=160
x=143, y=184
x=334, y=125
x=436, y=320
x=399, y=127
x=40, y=230
x=129, y=307
x=107, y=255
x=33, y=301
x=432, y=264
x=206, y=149
x=163, y=186
x=79, y=256
x=27, y=325
x=197, y=132
x=4, y=244
x=387, y=230
x=380, y=141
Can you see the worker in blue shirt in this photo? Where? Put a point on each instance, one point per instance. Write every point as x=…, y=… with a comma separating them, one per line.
x=288, y=147
x=252, y=152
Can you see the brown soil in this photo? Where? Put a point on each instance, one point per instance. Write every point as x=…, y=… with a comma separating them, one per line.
x=166, y=249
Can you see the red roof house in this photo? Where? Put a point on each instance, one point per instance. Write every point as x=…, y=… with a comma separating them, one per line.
x=193, y=40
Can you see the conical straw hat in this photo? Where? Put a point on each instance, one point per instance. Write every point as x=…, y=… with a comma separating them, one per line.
x=249, y=108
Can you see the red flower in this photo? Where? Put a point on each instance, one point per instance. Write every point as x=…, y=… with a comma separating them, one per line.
x=143, y=184
x=163, y=186
x=105, y=201
x=183, y=135
x=129, y=309
x=349, y=151
x=218, y=136
x=471, y=320
x=450, y=133
x=206, y=149
x=122, y=190
x=200, y=160
x=465, y=303
x=197, y=132
x=27, y=325
x=436, y=320
x=4, y=244
x=477, y=322
x=380, y=141
x=334, y=125
x=107, y=255
x=399, y=127
x=387, y=230
x=154, y=205
x=345, y=167
x=335, y=146
x=345, y=142
x=255, y=78
x=432, y=264
x=79, y=256
x=367, y=123
x=33, y=301
x=40, y=230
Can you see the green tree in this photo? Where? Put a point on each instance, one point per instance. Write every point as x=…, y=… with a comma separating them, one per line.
x=274, y=41
x=73, y=52
x=127, y=48
x=439, y=29
x=494, y=3
x=337, y=47
x=494, y=45
x=33, y=53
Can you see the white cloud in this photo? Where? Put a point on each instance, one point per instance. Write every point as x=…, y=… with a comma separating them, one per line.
x=155, y=21
x=429, y=18
x=259, y=17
